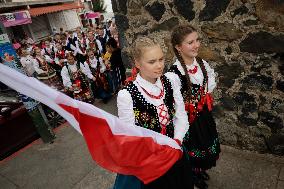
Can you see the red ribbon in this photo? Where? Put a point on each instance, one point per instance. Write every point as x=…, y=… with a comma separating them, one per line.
x=189, y=107
x=163, y=131
x=209, y=101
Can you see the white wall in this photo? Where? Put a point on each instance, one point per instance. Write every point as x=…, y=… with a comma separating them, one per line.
x=71, y=19
x=57, y=20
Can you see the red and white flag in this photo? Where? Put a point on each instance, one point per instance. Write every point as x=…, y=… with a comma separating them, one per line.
x=116, y=146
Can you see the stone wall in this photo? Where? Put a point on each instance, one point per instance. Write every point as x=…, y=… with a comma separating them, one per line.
x=244, y=41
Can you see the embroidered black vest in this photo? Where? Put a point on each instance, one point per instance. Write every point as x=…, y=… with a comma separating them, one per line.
x=195, y=88
x=146, y=114
x=78, y=76
x=96, y=70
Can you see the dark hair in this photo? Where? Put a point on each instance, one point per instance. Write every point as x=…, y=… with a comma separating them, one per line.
x=179, y=33
x=70, y=54
x=63, y=37
x=111, y=43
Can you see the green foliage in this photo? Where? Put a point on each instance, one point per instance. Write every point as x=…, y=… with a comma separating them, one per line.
x=99, y=6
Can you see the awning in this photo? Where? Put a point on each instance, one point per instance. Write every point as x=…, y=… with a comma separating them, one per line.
x=55, y=8
x=15, y=18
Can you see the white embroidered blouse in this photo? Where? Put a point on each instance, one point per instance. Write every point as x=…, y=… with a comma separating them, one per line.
x=196, y=78
x=125, y=104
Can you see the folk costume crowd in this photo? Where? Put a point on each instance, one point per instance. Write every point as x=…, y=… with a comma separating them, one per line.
x=84, y=65
x=177, y=103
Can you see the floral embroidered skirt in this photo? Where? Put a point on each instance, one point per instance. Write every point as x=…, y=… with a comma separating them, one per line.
x=202, y=141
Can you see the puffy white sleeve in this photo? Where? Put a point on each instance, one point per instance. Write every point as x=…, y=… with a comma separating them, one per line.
x=125, y=107
x=36, y=67
x=99, y=45
x=48, y=59
x=42, y=52
x=180, y=119
x=65, y=77
x=86, y=70
x=76, y=50
x=23, y=62
x=211, y=77
x=102, y=65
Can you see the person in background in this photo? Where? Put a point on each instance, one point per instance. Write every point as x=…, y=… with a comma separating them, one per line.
x=116, y=63
x=93, y=43
x=61, y=31
x=28, y=40
x=60, y=55
x=45, y=72
x=16, y=44
x=27, y=61
x=48, y=49
x=102, y=37
x=74, y=77
x=54, y=31
x=108, y=72
x=96, y=69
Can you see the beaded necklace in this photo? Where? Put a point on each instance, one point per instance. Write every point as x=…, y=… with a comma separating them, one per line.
x=192, y=71
x=153, y=96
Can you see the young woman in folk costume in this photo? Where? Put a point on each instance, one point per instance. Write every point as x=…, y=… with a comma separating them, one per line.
x=74, y=80
x=45, y=71
x=69, y=46
x=27, y=61
x=197, y=81
x=102, y=37
x=108, y=72
x=96, y=68
x=48, y=49
x=153, y=102
x=60, y=55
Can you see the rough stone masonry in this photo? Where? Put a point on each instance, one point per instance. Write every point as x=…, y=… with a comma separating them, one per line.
x=243, y=40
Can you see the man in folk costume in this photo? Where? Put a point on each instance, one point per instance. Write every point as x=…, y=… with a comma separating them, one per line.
x=69, y=46
x=74, y=80
x=102, y=37
x=81, y=45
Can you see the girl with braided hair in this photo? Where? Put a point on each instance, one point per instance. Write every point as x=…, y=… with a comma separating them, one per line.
x=152, y=102
x=196, y=80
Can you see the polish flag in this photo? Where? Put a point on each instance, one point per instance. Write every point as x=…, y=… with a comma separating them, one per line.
x=115, y=145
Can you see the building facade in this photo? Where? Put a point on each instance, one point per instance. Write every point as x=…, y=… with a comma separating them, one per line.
x=45, y=16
